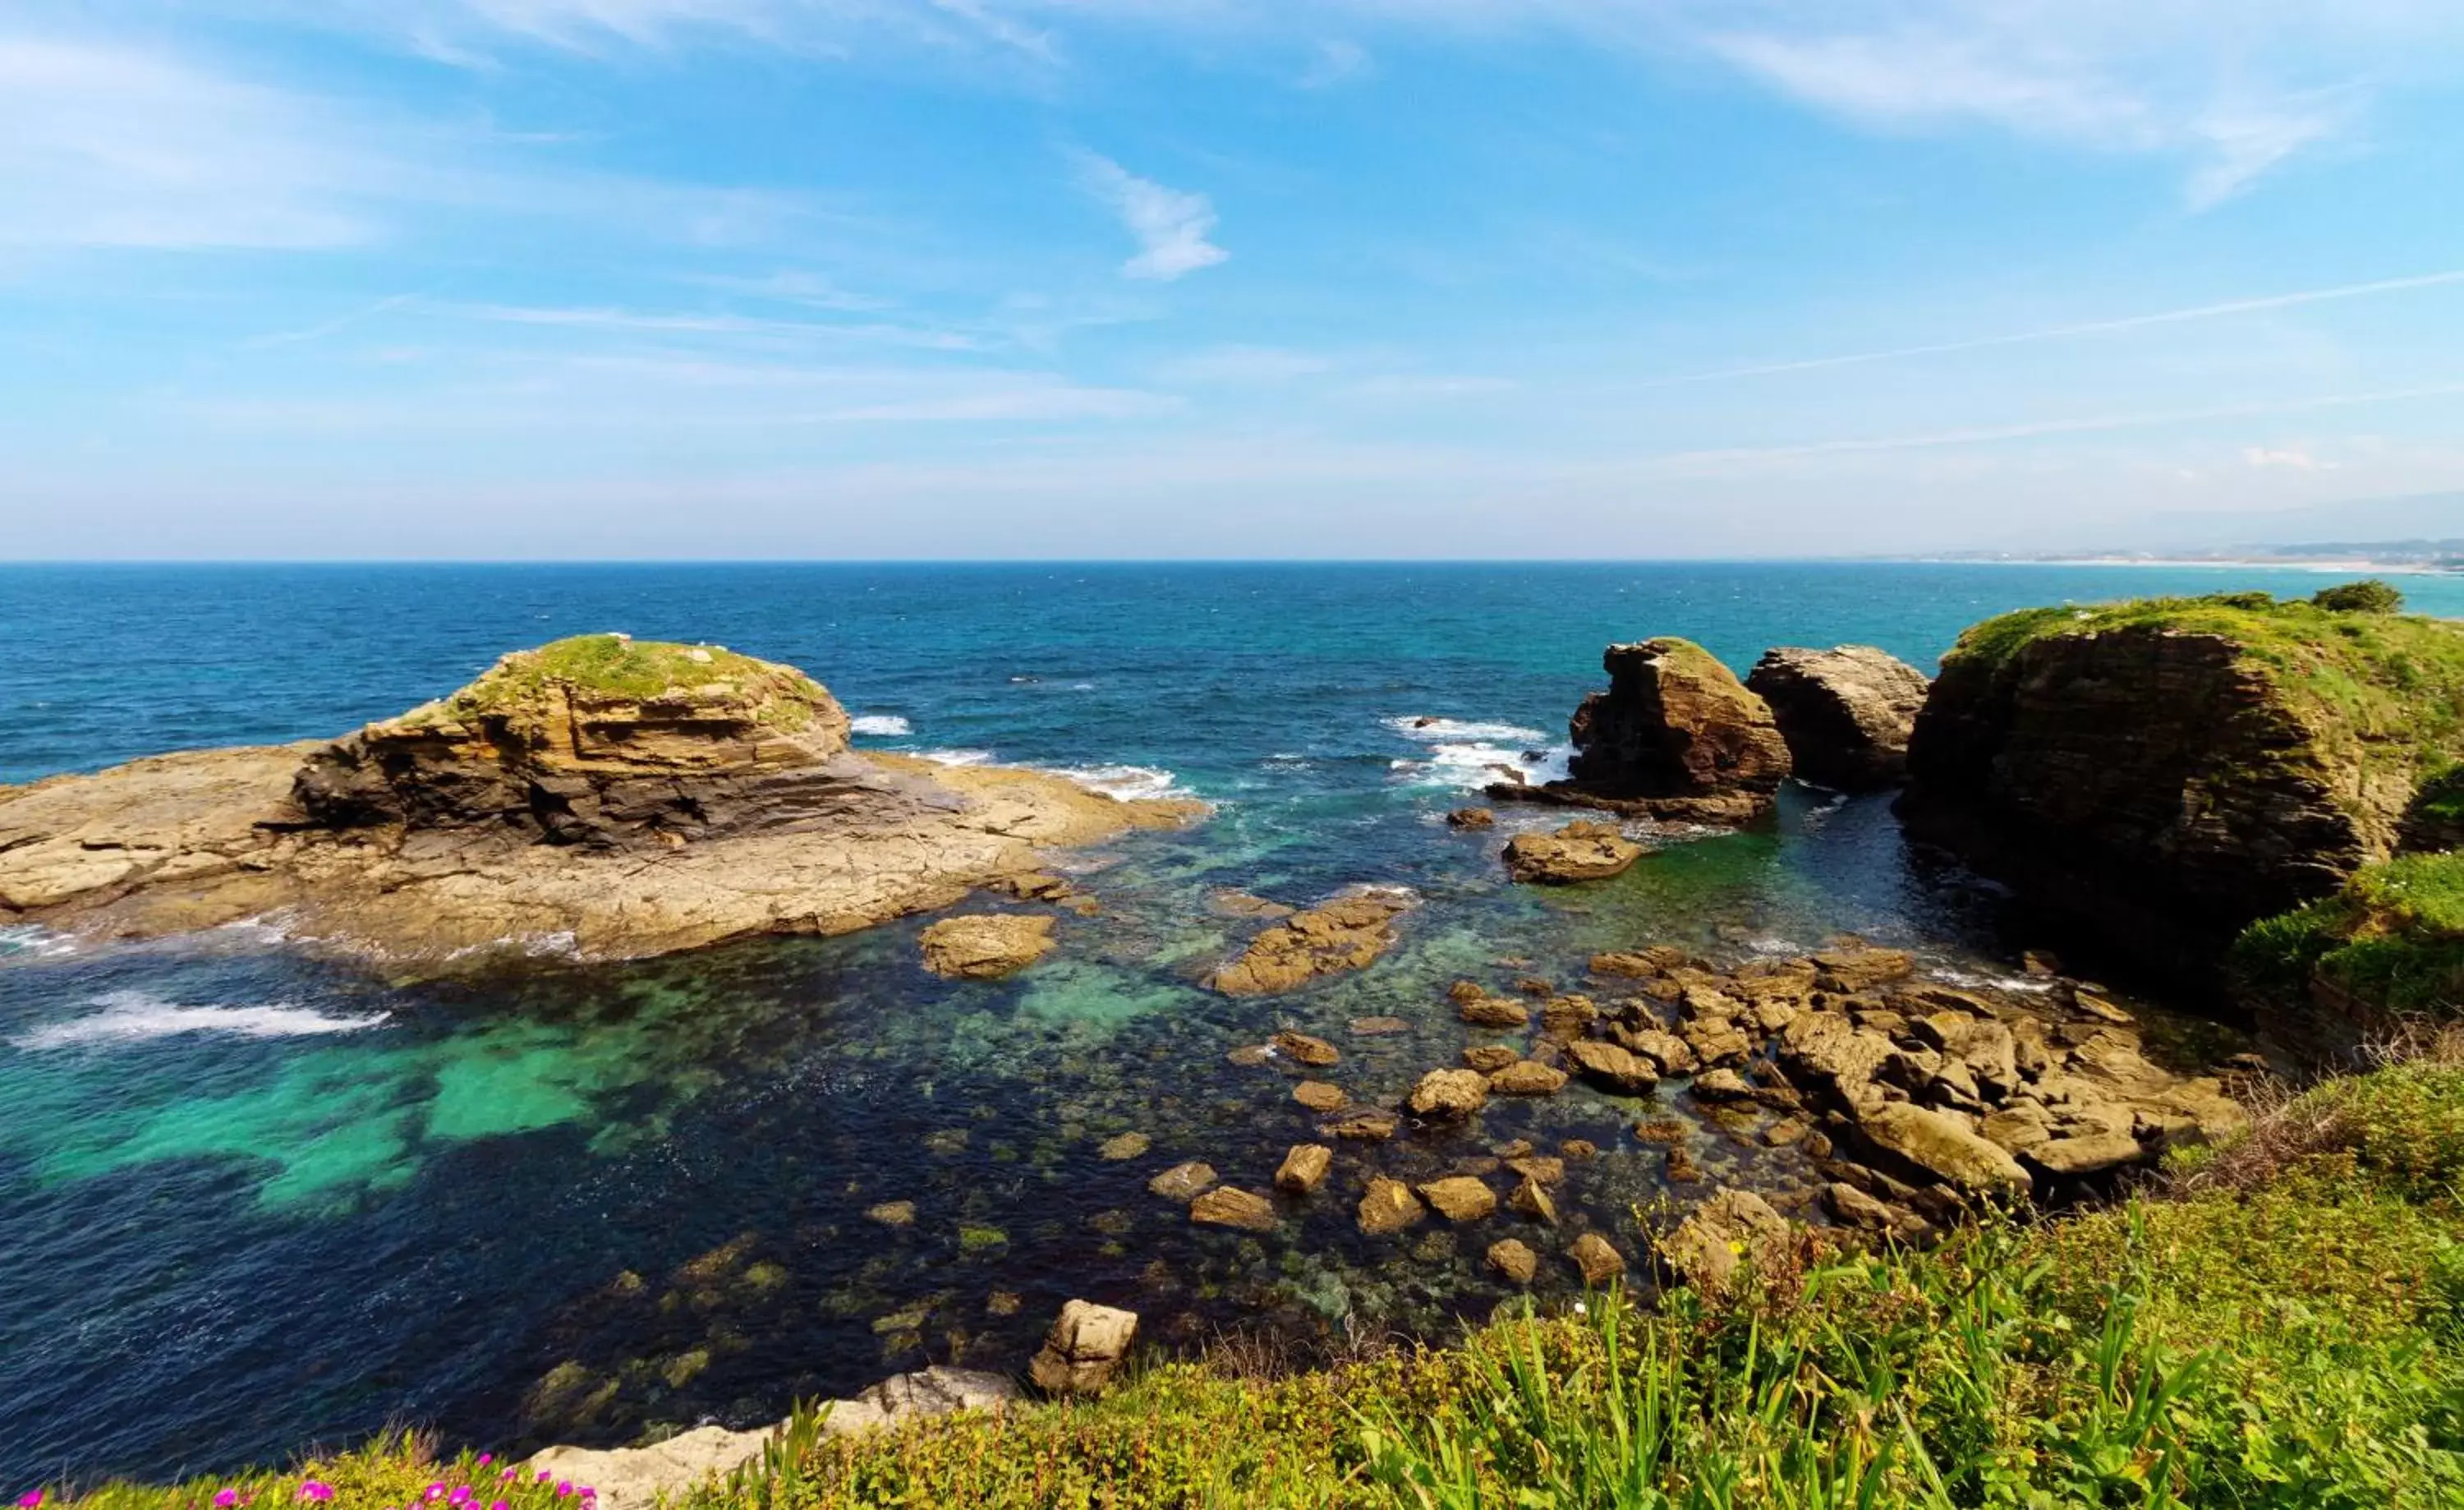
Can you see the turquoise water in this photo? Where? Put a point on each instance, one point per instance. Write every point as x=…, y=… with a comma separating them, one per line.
x=252, y=1199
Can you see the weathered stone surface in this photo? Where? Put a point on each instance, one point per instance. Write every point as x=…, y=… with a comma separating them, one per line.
x=1182, y=1181
x=1083, y=1350
x=1302, y=1049
x=1493, y=1012
x=1826, y=1054
x=1365, y=1124
x=1582, y=851
x=1490, y=1058
x=2071, y=1158
x=1126, y=1145
x=1380, y=1027
x=540, y=805
x=1845, y=713
x=1319, y=1096
x=1389, y=1206
x=1941, y=1147
x=1470, y=818
x=1858, y=969
x=2162, y=781
x=1670, y=1054
x=1347, y=934
x=1447, y=1095
x=1531, y=1199
x=1228, y=1207
x=1303, y=1169
x=1536, y=1166
x=1514, y=1261
x=1722, y=1085
x=1720, y=1236
x=1856, y=1207
x=893, y=1214
x=1611, y=1067
x=1460, y=1198
x=984, y=946
x=1527, y=1077
x=1596, y=1259
x=640, y=1477
x=1638, y=964
x=1675, y=736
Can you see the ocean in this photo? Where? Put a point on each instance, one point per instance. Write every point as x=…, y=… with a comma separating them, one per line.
x=252, y=1199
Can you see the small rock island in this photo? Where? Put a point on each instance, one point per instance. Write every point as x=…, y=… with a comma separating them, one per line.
x=600, y=797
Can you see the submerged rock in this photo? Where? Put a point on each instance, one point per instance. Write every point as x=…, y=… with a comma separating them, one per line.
x=1389, y=1206
x=1302, y=1049
x=1514, y=1261
x=1303, y=1169
x=1846, y=713
x=985, y=945
x=1527, y=1077
x=1470, y=818
x=1228, y=1207
x=1083, y=1350
x=1578, y=852
x=1460, y=1198
x=1447, y=1095
x=1182, y=1181
x=1596, y=1259
x=1319, y=1096
x=1611, y=1068
x=1126, y=1145
x=1346, y=934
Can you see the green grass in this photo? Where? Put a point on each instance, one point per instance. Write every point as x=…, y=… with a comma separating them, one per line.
x=616, y=667
x=2383, y=685
x=2281, y=1326
x=2391, y=940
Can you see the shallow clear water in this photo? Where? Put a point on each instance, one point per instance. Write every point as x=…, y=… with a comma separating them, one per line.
x=251, y=1199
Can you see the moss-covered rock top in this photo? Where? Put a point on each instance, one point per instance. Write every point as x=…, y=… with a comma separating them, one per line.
x=2370, y=685
x=618, y=668
x=2390, y=942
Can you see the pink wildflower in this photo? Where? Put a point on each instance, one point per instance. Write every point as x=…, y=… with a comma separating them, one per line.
x=30, y=1500
x=507, y=1475
x=564, y=1489
x=314, y=1490
x=461, y=1495
x=485, y=1458
x=434, y=1491
x=226, y=1499
x=500, y=1505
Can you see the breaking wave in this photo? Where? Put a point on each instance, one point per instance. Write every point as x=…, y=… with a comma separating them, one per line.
x=882, y=723
x=1129, y=783
x=137, y=1017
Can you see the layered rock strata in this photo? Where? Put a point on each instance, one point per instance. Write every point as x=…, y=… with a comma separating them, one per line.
x=1846, y=713
x=600, y=798
x=1676, y=736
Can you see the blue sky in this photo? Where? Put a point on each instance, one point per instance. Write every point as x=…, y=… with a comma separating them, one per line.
x=1127, y=277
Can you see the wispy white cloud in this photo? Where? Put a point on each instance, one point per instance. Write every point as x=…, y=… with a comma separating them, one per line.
x=2091, y=327
x=663, y=323
x=2284, y=459
x=324, y=328
x=1335, y=61
x=1169, y=226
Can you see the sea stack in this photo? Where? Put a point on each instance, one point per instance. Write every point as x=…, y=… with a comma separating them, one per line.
x=1846, y=713
x=1676, y=736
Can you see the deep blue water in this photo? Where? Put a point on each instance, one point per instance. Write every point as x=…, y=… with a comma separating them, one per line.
x=248, y=1200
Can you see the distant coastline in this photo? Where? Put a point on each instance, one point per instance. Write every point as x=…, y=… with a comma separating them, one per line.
x=2356, y=563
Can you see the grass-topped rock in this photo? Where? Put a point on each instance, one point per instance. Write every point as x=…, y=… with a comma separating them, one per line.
x=2389, y=945
x=2171, y=769
x=600, y=739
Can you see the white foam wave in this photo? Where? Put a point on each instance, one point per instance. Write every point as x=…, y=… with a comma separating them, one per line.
x=1129, y=783
x=1455, y=731
x=1477, y=764
x=958, y=756
x=137, y=1017
x=35, y=943
x=883, y=723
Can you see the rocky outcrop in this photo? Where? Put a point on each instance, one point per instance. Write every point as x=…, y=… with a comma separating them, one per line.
x=985, y=945
x=643, y=1477
x=2161, y=774
x=1846, y=713
x=1086, y=1347
x=1347, y=934
x=1578, y=852
x=600, y=797
x=1723, y=1234
x=1675, y=736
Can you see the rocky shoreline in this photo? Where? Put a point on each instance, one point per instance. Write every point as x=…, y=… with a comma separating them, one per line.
x=598, y=799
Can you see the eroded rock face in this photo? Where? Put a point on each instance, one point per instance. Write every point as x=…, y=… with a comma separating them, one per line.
x=1938, y=1145
x=1675, y=736
x=1845, y=713
x=1720, y=1236
x=1347, y=934
x=613, y=817
x=2159, y=787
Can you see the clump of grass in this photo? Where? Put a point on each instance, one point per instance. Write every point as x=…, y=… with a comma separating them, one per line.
x=398, y=1469
x=619, y=668
x=2392, y=942
x=2377, y=687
